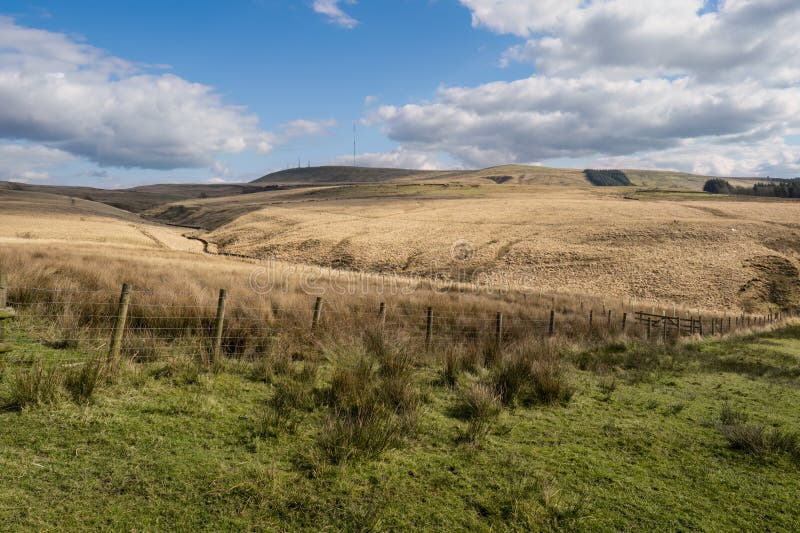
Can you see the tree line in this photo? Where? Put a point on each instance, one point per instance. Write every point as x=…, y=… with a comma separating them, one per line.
x=606, y=178
x=777, y=189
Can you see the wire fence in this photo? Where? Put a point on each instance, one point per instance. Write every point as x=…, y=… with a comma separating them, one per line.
x=70, y=326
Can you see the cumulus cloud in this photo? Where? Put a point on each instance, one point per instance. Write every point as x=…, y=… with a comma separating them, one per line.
x=628, y=38
x=23, y=162
x=769, y=157
x=334, y=13
x=75, y=98
x=305, y=128
x=541, y=118
x=398, y=158
x=648, y=81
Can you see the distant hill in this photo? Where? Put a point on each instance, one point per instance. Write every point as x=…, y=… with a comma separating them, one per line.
x=150, y=197
x=139, y=199
x=341, y=175
x=504, y=174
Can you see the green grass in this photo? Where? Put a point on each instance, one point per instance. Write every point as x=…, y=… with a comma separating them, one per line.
x=638, y=446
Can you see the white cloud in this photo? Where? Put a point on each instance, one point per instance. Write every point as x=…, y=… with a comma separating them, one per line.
x=655, y=82
x=24, y=162
x=519, y=17
x=542, y=118
x=75, y=98
x=305, y=128
x=769, y=157
x=631, y=38
x=334, y=13
x=398, y=158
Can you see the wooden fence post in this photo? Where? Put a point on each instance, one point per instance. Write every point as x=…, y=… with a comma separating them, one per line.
x=498, y=331
x=551, y=330
x=5, y=312
x=729, y=324
x=624, y=321
x=119, y=324
x=317, y=313
x=428, y=328
x=608, y=325
x=3, y=298
x=591, y=317
x=219, y=323
x=382, y=315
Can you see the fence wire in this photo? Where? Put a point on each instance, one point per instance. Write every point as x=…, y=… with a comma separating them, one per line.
x=76, y=327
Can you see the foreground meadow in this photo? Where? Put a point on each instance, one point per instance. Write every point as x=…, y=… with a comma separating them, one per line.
x=375, y=435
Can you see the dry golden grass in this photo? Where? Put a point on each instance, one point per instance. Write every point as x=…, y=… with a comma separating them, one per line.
x=67, y=295
x=66, y=292
x=32, y=216
x=693, y=250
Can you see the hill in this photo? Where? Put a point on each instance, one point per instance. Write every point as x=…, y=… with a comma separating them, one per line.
x=504, y=174
x=30, y=217
x=528, y=227
x=657, y=245
x=342, y=174
x=138, y=199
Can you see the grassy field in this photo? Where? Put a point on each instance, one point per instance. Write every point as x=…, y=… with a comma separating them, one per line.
x=620, y=436
x=660, y=245
x=34, y=218
x=522, y=227
x=355, y=426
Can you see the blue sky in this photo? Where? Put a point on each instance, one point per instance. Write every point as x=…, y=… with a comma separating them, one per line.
x=283, y=62
x=433, y=83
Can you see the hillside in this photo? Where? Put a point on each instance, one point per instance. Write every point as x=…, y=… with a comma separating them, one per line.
x=30, y=217
x=504, y=174
x=527, y=227
x=138, y=199
x=343, y=174
x=149, y=197
x=684, y=247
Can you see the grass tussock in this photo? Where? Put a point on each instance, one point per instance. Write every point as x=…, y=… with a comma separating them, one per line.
x=480, y=406
x=293, y=395
x=756, y=439
x=37, y=385
x=532, y=375
x=82, y=381
x=372, y=402
x=535, y=503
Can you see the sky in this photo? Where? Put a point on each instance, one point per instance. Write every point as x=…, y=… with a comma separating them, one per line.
x=125, y=93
